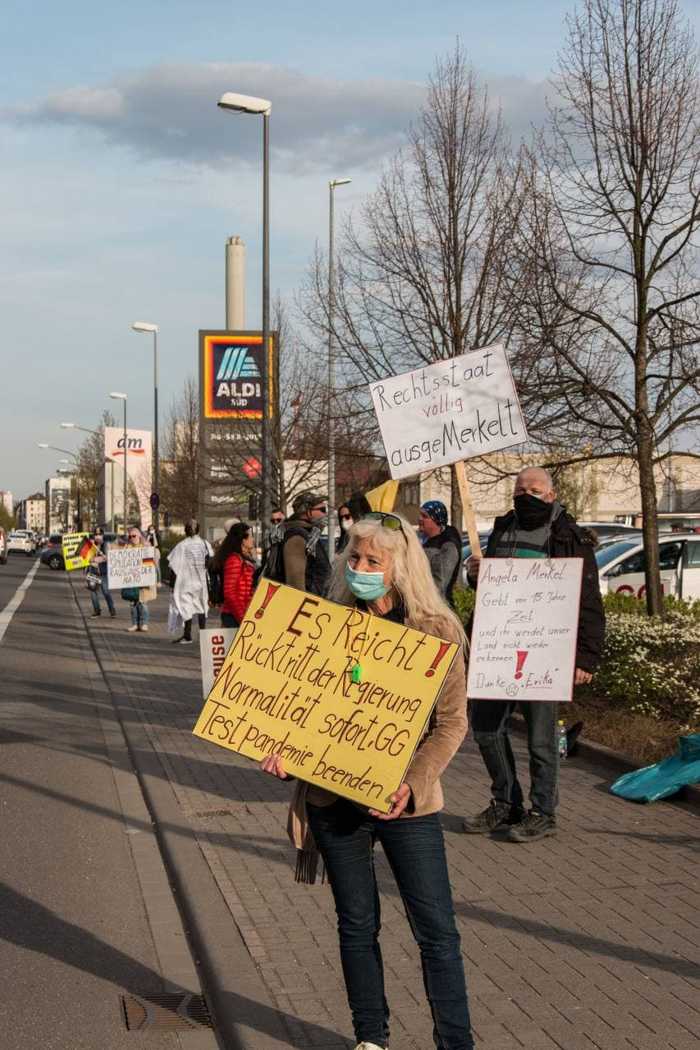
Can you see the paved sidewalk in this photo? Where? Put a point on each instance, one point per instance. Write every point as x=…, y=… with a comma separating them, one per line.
x=587, y=940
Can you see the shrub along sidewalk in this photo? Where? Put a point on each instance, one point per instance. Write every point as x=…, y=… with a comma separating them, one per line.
x=647, y=689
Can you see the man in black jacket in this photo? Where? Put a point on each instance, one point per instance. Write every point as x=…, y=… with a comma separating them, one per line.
x=537, y=527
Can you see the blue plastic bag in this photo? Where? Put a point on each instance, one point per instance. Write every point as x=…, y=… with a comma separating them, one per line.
x=666, y=777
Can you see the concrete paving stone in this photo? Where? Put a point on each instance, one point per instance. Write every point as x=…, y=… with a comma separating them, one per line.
x=557, y=925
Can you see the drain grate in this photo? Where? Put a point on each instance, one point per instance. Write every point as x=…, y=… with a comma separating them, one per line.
x=170, y=1010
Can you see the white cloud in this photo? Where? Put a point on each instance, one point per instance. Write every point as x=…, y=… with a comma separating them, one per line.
x=170, y=112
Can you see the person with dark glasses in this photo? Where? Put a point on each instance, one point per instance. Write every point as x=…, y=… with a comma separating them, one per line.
x=354, y=509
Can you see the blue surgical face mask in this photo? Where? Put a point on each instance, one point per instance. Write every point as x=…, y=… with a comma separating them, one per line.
x=369, y=586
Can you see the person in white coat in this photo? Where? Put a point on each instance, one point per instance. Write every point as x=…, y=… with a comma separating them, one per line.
x=188, y=579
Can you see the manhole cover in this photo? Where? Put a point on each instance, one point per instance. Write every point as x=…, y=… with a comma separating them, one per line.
x=169, y=1010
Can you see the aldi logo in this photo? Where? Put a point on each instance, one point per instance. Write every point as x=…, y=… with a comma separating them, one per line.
x=237, y=363
x=231, y=374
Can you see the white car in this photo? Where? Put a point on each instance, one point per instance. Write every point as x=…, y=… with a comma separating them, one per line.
x=22, y=541
x=621, y=566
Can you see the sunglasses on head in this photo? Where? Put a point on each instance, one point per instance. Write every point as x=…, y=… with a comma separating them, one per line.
x=388, y=521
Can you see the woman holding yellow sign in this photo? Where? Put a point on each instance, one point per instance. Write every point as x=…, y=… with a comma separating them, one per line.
x=384, y=571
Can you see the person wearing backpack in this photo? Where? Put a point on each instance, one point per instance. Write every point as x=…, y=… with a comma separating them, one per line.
x=297, y=555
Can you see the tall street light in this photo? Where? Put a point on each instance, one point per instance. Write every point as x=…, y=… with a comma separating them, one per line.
x=261, y=107
x=331, y=361
x=145, y=326
x=96, y=433
x=123, y=397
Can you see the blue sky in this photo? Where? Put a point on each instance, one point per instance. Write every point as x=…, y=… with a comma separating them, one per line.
x=120, y=180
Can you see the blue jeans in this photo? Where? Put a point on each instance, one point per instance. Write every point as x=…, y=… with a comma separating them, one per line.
x=139, y=614
x=489, y=723
x=415, y=849
x=104, y=590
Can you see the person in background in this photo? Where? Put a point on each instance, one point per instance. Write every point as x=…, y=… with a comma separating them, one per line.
x=305, y=560
x=353, y=510
x=277, y=517
x=98, y=567
x=234, y=565
x=139, y=608
x=152, y=540
x=442, y=545
x=537, y=527
x=188, y=579
x=383, y=570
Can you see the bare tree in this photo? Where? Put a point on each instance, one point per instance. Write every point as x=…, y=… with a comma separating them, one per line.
x=90, y=469
x=180, y=456
x=420, y=274
x=605, y=256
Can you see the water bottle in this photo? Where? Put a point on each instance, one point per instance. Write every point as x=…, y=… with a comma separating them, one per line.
x=562, y=739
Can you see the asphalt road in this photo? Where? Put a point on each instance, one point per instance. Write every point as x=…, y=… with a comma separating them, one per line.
x=74, y=931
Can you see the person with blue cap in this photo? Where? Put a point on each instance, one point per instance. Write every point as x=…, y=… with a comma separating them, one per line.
x=442, y=545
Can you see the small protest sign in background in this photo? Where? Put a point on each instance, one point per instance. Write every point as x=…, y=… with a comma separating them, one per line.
x=130, y=567
x=290, y=686
x=213, y=646
x=448, y=411
x=523, y=643
x=78, y=550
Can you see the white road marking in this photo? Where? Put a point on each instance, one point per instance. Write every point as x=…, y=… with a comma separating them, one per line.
x=16, y=600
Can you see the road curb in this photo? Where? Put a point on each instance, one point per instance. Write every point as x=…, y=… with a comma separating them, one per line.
x=599, y=755
x=245, y=1019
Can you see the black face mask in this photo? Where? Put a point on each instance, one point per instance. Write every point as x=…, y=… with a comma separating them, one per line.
x=531, y=511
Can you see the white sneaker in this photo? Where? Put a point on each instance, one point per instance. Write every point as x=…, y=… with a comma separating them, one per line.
x=144, y=628
x=369, y=1046
x=132, y=628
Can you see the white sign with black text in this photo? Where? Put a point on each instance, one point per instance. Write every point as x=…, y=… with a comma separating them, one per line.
x=523, y=643
x=213, y=646
x=448, y=411
x=130, y=567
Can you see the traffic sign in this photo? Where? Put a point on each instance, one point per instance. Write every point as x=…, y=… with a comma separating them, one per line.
x=252, y=468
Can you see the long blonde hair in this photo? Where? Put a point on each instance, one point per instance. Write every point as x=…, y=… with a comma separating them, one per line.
x=426, y=609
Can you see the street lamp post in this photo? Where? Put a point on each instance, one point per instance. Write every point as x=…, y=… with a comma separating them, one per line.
x=261, y=106
x=331, y=361
x=99, y=434
x=123, y=397
x=145, y=326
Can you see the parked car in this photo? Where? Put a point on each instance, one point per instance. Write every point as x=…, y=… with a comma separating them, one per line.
x=467, y=550
x=621, y=566
x=3, y=546
x=22, y=542
x=52, y=554
x=604, y=529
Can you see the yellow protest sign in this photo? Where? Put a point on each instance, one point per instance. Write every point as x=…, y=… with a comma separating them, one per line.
x=290, y=685
x=78, y=550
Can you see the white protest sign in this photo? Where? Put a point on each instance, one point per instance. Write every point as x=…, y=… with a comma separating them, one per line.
x=448, y=411
x=130, y=567
x=523, y=644
x=213, y=646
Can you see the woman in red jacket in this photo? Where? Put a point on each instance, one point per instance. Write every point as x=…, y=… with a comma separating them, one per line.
x=235, y=565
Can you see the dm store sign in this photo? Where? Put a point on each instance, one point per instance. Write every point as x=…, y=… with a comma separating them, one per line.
x=232, y=375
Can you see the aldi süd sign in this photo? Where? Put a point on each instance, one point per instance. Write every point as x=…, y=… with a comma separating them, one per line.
x=231, y=372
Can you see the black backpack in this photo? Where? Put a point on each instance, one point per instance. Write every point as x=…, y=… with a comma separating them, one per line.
x=272, y=567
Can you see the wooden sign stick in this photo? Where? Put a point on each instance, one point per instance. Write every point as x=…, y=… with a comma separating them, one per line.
x=468, y=508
